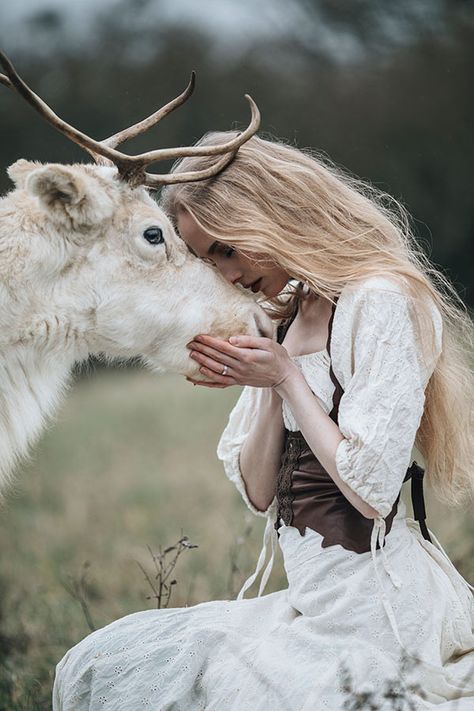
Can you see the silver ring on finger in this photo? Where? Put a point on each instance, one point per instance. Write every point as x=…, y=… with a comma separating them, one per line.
x=224, y=370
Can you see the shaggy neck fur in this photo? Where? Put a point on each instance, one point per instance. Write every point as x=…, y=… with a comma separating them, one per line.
x=34, y=374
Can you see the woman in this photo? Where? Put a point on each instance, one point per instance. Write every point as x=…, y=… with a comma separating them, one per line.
x=374, y=357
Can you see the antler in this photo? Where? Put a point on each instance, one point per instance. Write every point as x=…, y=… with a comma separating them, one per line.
x=132, y=168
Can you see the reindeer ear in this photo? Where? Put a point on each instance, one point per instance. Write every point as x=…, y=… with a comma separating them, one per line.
x=18, y=172
x=71, y=193
x=57, y=185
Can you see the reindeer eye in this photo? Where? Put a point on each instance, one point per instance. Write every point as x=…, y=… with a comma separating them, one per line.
x=154, y=235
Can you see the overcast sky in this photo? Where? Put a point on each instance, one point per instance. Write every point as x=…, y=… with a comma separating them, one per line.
x=233, y=19
x=233, y=25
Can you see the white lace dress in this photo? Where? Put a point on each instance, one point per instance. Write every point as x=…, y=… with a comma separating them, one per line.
x=394, y=621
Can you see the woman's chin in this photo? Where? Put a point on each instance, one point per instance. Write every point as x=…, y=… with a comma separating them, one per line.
x=270, y=293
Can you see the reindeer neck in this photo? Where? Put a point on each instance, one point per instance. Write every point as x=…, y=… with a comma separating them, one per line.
x=35, y=369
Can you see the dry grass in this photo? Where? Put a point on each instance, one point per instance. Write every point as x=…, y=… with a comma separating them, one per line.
x=131, y=463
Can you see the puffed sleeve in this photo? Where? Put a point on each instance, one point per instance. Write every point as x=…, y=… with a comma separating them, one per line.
x=232, y=439
x=383, y=366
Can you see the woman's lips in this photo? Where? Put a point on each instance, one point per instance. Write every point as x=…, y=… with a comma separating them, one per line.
x=256, y=285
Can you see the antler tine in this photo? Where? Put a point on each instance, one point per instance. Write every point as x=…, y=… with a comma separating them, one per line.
x=155, y=181
x=153, y=119
x=231, y=147
x=6, y=81
x=132, y=168
x=14, y=81
x=105, y=148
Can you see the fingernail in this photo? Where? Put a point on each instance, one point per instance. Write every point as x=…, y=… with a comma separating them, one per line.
x=234, y=340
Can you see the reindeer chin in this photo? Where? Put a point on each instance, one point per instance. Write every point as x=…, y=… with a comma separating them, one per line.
x=187, y=367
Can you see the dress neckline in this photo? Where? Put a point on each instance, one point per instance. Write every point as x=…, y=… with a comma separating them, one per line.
x=322, y=353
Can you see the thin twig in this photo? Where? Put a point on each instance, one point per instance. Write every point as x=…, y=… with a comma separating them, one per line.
x=163, y=569
x=77, y=588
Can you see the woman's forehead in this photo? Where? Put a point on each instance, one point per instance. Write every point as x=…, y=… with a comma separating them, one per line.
x=194, y=236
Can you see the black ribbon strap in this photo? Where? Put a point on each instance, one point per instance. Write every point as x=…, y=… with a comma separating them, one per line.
x=416, y=474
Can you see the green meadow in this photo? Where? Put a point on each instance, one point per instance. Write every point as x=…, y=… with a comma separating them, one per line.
x=129, y=466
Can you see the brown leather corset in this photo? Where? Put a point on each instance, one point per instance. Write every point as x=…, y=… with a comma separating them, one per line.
x=306, y=494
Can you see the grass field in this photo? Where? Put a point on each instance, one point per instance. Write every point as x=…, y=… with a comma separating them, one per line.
x=131, y=463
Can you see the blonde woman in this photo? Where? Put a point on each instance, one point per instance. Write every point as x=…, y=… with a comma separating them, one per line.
x=371, y=359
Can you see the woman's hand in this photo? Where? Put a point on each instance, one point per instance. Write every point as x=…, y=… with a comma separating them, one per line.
x=242, y=360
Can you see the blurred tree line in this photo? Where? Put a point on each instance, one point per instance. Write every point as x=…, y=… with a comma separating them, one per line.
x=385, y=89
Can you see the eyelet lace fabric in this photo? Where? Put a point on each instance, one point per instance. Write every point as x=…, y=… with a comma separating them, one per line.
x=342, y=613
x=287, y=650
x=315, y=368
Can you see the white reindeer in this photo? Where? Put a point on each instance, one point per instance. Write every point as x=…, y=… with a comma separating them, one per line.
x=90, y=265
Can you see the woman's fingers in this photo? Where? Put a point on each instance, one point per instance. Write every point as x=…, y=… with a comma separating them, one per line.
x=245, y=360
x=216, y=381
x=232, y=347
x=217, y=346
x=216, y=355
x=219, y=367
x=217, y=377
x=258, y=342
x=205, y=384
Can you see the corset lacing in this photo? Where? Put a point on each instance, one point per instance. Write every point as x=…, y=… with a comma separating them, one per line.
x=294, y=446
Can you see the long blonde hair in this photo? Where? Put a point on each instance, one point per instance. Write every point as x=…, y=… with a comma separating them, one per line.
x=328, y=229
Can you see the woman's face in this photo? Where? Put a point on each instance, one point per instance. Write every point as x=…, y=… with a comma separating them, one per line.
x=262, y=275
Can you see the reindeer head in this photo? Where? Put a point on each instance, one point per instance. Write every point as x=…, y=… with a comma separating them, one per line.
x=98, y=262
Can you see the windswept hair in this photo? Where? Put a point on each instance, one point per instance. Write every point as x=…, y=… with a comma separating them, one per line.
x=328, y=229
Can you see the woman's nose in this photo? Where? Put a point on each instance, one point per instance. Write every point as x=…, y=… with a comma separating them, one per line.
x=231, y=274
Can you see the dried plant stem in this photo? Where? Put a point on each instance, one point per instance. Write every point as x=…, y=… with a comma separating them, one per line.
x=163, y=568
x=77, y=588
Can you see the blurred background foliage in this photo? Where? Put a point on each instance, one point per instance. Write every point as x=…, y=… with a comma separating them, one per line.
x=383, y=88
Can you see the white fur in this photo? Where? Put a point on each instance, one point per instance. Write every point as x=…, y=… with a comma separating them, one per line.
x=78, y=278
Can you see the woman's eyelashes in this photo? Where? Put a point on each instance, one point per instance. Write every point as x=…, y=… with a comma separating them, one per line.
x=224, y=251
x=228, y=251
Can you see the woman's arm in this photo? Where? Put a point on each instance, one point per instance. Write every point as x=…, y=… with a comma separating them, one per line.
x=320, y=432
x=261, y=452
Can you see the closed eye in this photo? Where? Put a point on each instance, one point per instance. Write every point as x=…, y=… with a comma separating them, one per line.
x=222, y=249
x=217, y=248
x=228, y=252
